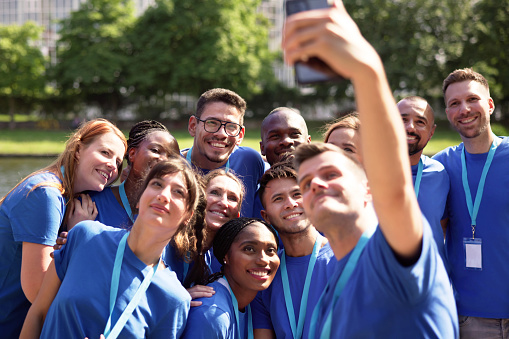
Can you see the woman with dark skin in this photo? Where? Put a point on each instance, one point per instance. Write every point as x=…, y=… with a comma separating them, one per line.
x=247, y=249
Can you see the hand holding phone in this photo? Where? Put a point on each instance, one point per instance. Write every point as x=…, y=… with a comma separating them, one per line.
x=313, y=70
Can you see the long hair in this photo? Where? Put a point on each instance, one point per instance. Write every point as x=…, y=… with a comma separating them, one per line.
x=66, y=161
x=184, y=240
x=200, y=271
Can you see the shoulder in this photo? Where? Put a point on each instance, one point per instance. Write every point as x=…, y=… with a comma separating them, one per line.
x=433, y=166
x=246, y=152
x=449, y=152
x=88, y=229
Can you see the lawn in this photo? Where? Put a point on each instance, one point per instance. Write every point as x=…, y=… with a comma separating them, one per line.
x=43, y=142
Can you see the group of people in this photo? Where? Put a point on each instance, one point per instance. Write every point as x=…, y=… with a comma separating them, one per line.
x=332, y=239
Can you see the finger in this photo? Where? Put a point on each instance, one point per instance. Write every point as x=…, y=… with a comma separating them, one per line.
x=195, y=303
x=51, y=254
x=95, y=211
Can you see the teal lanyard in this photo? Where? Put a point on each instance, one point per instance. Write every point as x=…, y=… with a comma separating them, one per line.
x=418, y=177
x=473, y=209
x=188, y=158
x=297, y=330
x=237, y=318
x=125, y=201
x=110, y=333
x=340, y=285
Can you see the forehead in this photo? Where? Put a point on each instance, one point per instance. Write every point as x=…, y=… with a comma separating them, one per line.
x=221, y=111
x=281, y=185
x=466, y=88
x=160, y=137
x=255, y=232
x=284, y=120
x=342, y=135
x=225, y=183
x=324, y=161
x=110, y=140
x=412, y=107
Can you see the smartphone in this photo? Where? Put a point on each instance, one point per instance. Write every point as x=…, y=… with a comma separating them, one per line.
x=313, y=70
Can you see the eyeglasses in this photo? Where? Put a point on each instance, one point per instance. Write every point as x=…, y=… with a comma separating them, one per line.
x=212, y=125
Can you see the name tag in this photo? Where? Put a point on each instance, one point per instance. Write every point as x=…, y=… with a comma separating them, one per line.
x=473, y=253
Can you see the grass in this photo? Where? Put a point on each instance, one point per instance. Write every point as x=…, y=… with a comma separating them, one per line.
x=40, y=142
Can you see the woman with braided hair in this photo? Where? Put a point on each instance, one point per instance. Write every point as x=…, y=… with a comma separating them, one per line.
x=247, y=249
x=149, y=143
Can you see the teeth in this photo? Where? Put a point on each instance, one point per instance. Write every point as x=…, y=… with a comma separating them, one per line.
x=291, y=216
x=260, y=273
x=218, y=145
x=103, y=174
x=218, y=213
x=466, y=121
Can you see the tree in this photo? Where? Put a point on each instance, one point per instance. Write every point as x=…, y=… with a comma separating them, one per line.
x=92, y=53
x=487, y=48
x=190, y=46
x=22, y=66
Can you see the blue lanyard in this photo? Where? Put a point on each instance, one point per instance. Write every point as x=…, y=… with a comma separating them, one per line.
x=237, y=318
x=340, y=285
x=418, y=177
x=110, y=333
x=125, y=201
x=473, y=209
x=297, y=329
x=188, y=158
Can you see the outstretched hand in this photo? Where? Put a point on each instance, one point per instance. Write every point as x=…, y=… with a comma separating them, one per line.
x=331, y=35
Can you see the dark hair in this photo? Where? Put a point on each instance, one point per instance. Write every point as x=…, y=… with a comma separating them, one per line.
x=141, y=130
x=279, y=170
x=184, y=239
x=350, y=120
x=464, y=74
x=221, y=95
x=227, y=234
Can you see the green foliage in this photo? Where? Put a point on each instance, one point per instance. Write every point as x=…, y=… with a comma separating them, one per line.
x=189, y=46
x=92, y=53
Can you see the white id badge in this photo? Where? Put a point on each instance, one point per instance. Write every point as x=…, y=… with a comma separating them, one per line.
x=473, y=253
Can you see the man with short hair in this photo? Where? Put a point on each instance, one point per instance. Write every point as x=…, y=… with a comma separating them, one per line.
x=283, y=129
x=307, y=261
x=477, y=207
x=390, y=281
x=217, y=128
x=431, y=181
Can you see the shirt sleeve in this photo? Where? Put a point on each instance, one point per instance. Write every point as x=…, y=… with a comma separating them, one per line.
x=208, y=322
x=36, y=218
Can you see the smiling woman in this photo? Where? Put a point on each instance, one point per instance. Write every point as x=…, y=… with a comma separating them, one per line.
x=247, y=248
x=100, y=264
x=33, y=211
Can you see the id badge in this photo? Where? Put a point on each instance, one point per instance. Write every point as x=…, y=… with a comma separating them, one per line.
x=473, y=253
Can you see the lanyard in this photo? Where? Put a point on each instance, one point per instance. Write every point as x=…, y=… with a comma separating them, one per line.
x=343, y=279
x=297, y=329
x=237, y=318
x=473, y=209
x=110, y=333
x=418, y=177
x=125, y=201
x=188, y=158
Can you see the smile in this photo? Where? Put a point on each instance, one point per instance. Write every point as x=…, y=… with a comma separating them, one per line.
x=219, y=214
x=217, y=144
x=106, y=175
x=260, y=273
x=292, y=216
x=467, y=120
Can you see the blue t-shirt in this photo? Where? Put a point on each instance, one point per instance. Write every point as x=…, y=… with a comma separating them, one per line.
x=269, y=308
x=181, y=268
x=383, y=299
x=249, y=166
x=110, y=212
x=25, y=216
x=432, y=198
x=81, y=306
x=479, y=293
x=215, y=317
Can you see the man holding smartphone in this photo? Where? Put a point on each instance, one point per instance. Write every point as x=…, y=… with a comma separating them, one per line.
x=390, y=281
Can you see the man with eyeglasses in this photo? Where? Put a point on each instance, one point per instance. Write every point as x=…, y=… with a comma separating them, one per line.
x=217, y=128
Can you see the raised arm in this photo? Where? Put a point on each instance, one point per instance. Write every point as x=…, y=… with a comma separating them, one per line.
x=333, y=36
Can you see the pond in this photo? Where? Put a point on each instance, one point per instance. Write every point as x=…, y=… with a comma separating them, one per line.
x=12, y=170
